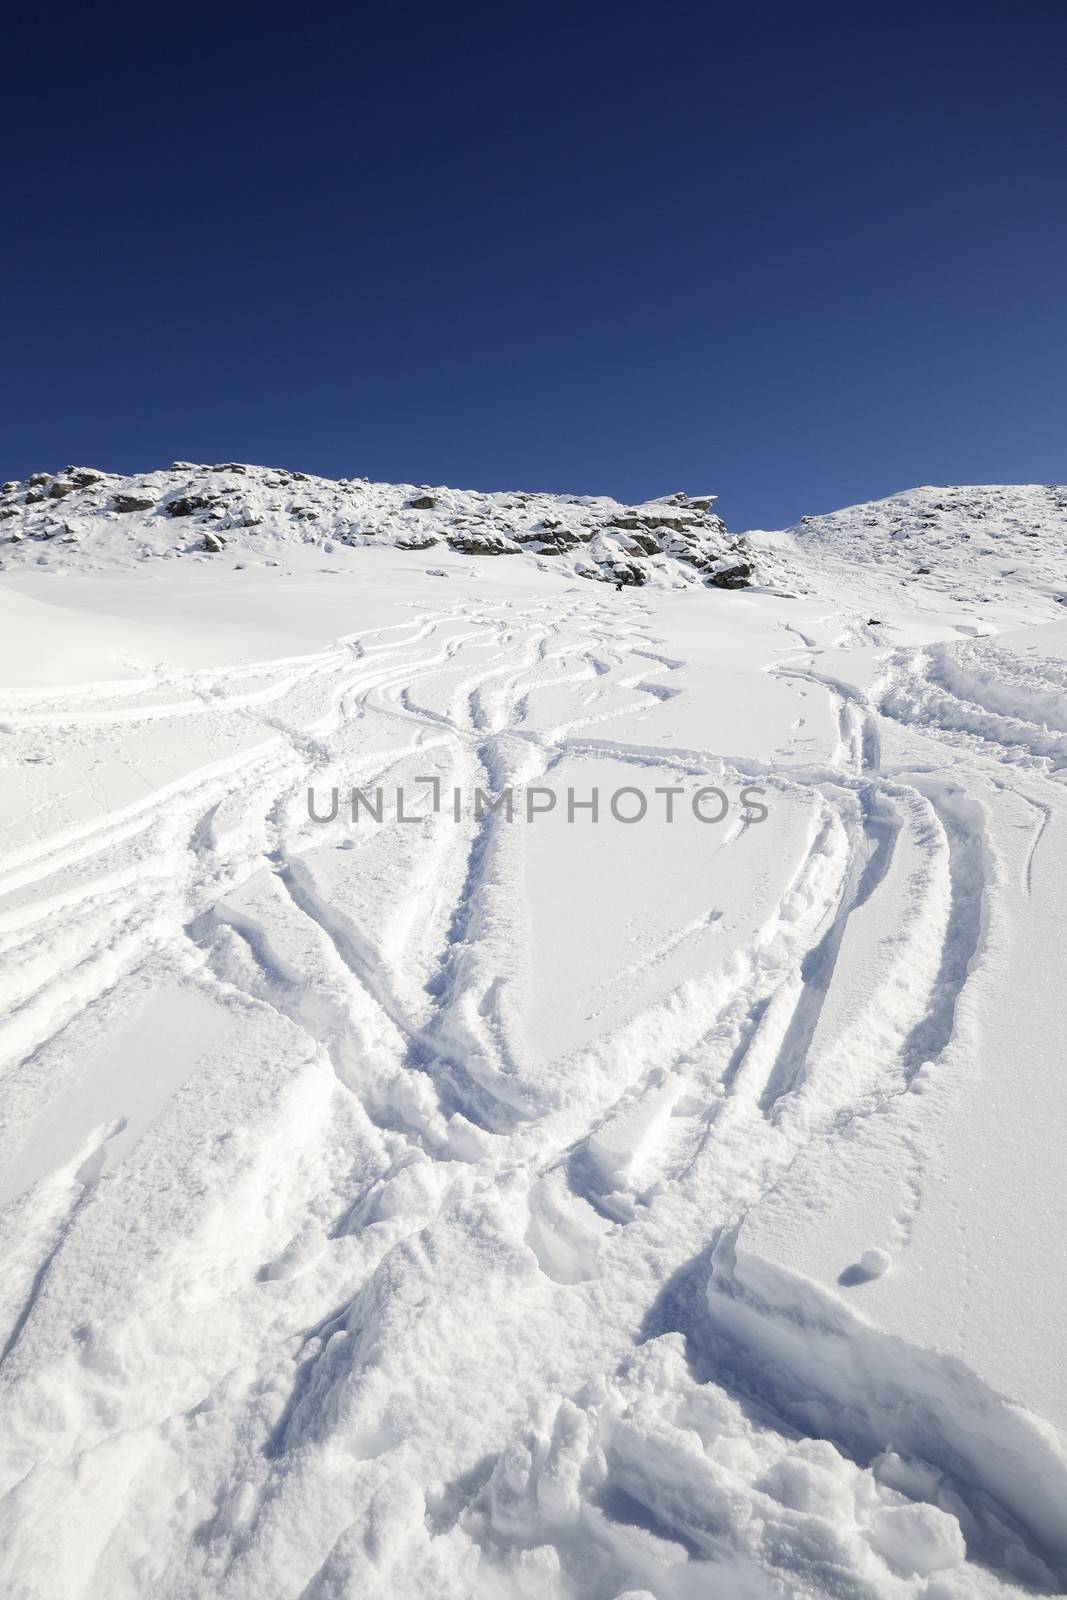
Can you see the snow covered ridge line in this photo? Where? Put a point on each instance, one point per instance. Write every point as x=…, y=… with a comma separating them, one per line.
x=627, y=804
x=87, y=519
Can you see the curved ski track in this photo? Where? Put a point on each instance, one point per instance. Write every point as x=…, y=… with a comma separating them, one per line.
x=617, y=1170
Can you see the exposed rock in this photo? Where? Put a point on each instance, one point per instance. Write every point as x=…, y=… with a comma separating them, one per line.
x=661, y=516
x=627, y=573
x=673, y=539
x=484, y=544
x=184, y=505
x=644, y=543
x=561, y=540
x=214, y=543
x=738, y=576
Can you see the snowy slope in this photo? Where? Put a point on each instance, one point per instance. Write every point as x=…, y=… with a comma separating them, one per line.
x=535, y=1208
x=986, y=545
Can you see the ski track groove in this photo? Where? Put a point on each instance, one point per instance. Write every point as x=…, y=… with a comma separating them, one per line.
x=729, y=1102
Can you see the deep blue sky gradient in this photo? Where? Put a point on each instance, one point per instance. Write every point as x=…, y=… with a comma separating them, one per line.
x=800, y=255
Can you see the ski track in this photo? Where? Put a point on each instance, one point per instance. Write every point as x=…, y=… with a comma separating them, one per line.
x=628, y=1175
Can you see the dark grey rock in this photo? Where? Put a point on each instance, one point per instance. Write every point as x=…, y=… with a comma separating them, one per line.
x=484, y=544
x=184, y=505
x=737, y=576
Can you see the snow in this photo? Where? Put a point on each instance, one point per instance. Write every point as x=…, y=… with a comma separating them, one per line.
x=552, y=1207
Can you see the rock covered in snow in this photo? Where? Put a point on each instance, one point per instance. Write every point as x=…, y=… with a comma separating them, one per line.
x=676, y=541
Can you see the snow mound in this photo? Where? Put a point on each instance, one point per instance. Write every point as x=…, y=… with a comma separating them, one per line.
x=87, y=519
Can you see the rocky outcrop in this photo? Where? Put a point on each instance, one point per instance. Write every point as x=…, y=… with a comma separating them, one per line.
x=260, y=511
x=483, y=544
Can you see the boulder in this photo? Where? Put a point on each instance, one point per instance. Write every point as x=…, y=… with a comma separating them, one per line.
x=627, y=573
x=735, y=576
x=184, y=505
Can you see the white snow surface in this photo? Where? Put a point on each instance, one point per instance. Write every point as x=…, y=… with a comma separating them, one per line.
x=444, y=1204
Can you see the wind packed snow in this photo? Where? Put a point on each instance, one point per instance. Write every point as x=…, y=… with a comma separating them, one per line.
x=550, y=1207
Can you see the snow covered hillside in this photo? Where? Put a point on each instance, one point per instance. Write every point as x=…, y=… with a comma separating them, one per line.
x=991, y=544
x=403, y=1197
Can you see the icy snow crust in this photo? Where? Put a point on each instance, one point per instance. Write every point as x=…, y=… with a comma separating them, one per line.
x=482, y=1209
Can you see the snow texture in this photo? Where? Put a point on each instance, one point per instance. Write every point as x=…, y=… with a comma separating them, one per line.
x=549, y=1208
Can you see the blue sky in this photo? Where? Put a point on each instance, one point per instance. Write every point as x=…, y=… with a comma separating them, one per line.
x=800, y=256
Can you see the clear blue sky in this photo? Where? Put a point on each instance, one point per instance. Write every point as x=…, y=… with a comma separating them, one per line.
x=802, y=255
